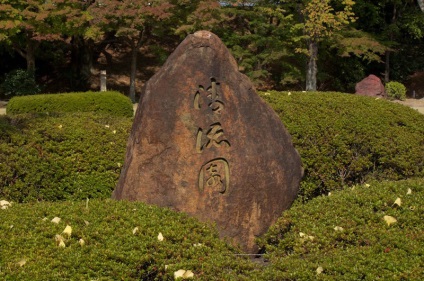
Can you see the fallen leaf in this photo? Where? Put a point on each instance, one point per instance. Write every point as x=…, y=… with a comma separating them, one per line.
x=338, y=228
x=67, y=231
x=184, y=274
x=289, y=93
x=45, y=219
x=409, y=192
x=55, y=220
x=62, y=244
x=22, y=262
x=160, y=236
x=367, y=185
x=114, y=131
x=107, y=126
x=320, y=270
x=81, y=242
x=60, y=126
x=86, y=222
x=301, y=234
x=5, y=204
x=389, y=220
x=135, y=230
x=198, y=245
x=188, y=274
x=397, y=202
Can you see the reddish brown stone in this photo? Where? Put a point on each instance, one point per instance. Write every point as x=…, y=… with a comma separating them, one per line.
x=204, y=143
x=370, y=86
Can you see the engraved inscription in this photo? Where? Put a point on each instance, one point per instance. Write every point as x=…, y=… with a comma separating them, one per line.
x=215, y=176
x=212, y=97
x=214, y=137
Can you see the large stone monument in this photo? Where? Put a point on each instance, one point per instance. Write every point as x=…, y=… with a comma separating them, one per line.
x=203, y=142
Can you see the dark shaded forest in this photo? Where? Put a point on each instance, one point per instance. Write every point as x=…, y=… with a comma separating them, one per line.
x=282, y=45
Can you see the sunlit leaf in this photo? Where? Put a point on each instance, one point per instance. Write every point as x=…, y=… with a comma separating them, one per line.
x=338, y=228
x=320, y=270
x=160, y=236
x=389, y=220
x=22, y=262
x=135, y=230
x=67, y=231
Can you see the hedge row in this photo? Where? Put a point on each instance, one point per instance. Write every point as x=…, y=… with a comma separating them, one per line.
x=120, y=241
x=350, y=240
x=112, y=103
x=349, y=139
x=62, y=157
x=367, y=232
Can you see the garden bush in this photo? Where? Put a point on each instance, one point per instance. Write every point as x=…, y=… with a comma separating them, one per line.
x=112, y=103
x=351, y=235
x=120, y=242
x=396, y=90
x=18, y=83
x=61, y=157
x=349, y=139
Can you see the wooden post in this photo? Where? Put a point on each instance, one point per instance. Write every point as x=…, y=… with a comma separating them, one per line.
x=103, y=81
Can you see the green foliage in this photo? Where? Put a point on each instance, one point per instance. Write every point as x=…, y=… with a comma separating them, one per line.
x=346, y=235
x=121, y=243
x=19, y=82
x=349, y=139
x=61, y=157
x=396, y=90
x=112, y=103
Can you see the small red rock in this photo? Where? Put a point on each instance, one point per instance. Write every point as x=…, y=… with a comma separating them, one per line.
x=371, y=86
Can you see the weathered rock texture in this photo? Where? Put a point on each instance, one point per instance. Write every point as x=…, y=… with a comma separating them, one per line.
x=204, y=143
x=371, y=86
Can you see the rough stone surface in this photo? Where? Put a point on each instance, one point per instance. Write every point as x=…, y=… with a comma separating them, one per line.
x=371, y=86
x=204, y=143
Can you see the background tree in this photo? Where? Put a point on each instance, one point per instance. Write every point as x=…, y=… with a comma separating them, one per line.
x=321, y=21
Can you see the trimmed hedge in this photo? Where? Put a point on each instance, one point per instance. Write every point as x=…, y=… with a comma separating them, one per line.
x=63, y=157
x=349, y=241
x=350, y=139
x=346, y=236
x=120, y=243
x=112, y=103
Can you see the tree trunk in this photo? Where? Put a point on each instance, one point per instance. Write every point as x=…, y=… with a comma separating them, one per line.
x=387, y=67
x=134, y=51
x=30, y=56
x=311, y=72
x=81, y=63
x=135, y=46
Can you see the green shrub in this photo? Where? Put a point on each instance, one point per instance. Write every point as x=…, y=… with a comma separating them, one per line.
x=112, y=103
x=396, y=90
x=121, y=243
x=348, y=139
x=346, y=235
x=62, y=157
x=19, y=83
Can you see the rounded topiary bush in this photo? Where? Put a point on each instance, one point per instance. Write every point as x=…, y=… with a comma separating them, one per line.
x=368, y=232
x=396, y=90
x=111, y=240
x=112, y=103
x=348, y=139
x=62, y=157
